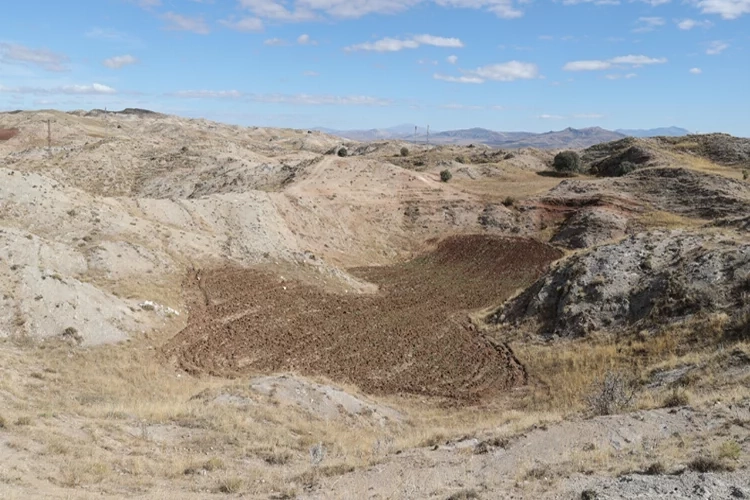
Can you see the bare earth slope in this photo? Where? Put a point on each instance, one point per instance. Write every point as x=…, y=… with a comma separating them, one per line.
x=412, y=336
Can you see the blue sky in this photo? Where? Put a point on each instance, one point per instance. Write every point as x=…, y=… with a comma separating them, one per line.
x=533, y=65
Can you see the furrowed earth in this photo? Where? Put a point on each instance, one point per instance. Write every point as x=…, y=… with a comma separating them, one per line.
x=196, y=310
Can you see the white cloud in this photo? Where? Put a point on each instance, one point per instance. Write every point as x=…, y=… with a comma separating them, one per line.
x=501, y=8
x=438, y=41
x=394, y=44
x=244, y=24
x=656, y=3
x=598, y=65
x=458, y=79
x=275, y=42
x=505, y=72
x=646, y=24
x=452, y=59
x=727, y=9
x=551, y=117
x=638, y=60
x=178, y=22
x=45, y=59
x=695, y=71
x=716, y=47
x=93, y=89
x=627, y=76
x=595, y=2
x=309, y=10
x=118, y=62
x=688, y=24
x=207, y=94
x=306, y=40
x=587, y=65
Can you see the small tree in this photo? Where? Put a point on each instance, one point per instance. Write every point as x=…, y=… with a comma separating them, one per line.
x=343, y=152
x=567, y=161
x=446, y=175
x=404, y=151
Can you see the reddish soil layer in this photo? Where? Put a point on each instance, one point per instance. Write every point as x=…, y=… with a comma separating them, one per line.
x=412, y=337
x=7, y=133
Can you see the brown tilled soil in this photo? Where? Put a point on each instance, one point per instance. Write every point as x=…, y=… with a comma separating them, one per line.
x=413, y=336
x=7, y=133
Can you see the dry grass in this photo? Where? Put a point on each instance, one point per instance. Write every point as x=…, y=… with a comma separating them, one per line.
x=667, y=220
x=563, y=372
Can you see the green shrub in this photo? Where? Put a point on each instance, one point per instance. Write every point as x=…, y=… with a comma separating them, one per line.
x=567, y=161
x=446, y=175
x=342, y=152
x=404, y=151
x=509, y=201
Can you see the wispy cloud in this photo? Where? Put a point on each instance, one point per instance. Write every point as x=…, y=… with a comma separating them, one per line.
x=305, y=39
x=695, y=71
x=716, y=47
x=93, y=89
x=550, y=117
x=310, y=10
x=45, y=59
x=452, y=59
x=504, y=72
x=688, y=24
x=598, y=65
x=394, y=44
x=727, y=9
x=118, y=62
x=296, y=99
x=275, y=42
x=248, y=24
x=616, y=76
x=646, y=24
x=178, y=22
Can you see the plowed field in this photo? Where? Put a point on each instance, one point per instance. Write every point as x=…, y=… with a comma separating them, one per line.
x=413, y=336
x=7, y=133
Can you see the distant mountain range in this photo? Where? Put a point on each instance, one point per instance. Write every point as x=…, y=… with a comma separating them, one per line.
x=568, y=138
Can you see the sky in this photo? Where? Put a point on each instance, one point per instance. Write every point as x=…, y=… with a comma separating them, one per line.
x=508, y=65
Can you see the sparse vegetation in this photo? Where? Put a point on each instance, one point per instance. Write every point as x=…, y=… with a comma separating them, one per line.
x=404, y=152
x=446, y=175
x=677, y=397
x=509, y=201
x=567, y=162
x=730, y=450
x=611, y=394
x=709, y=464
x=342, y=152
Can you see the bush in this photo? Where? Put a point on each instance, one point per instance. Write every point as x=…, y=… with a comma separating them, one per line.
x=709, y=464
x=404, y=151
x=730, y=450
x=677, y=398
x=655, y=469
x=745, y=174
x=342, y=152
x=624, y=168
x=611, y=394
x=446, y=175
x=567, y=161
x=509, y=201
